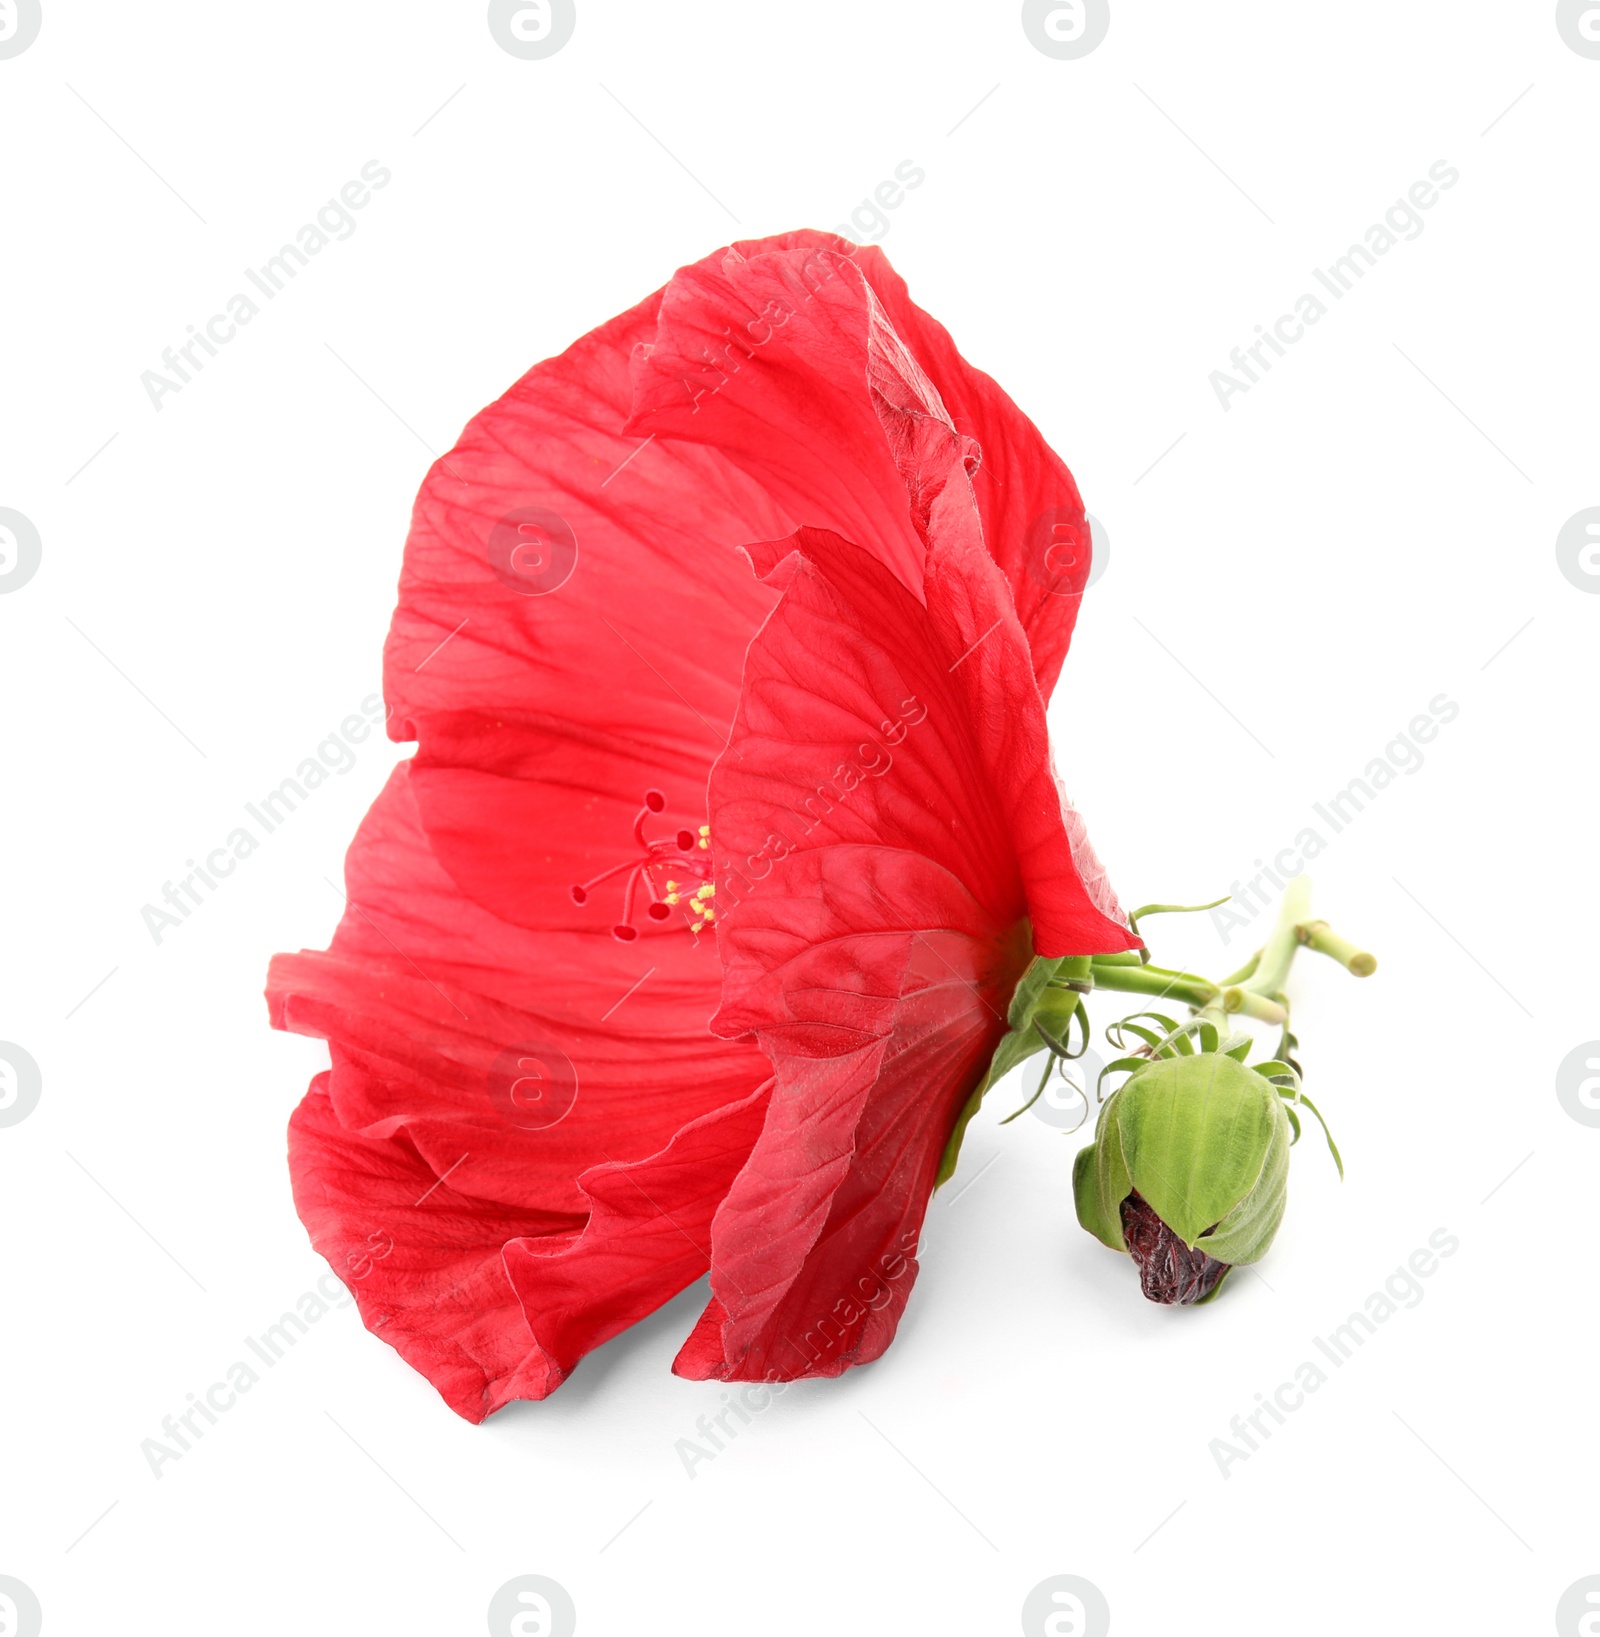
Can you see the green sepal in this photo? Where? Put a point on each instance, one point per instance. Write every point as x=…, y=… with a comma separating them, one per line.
x=1100, y=1180
x=1171, y=909
x=1034, y=998
x=1205, y=1140
x=1032, y=984
x=1333, y=1147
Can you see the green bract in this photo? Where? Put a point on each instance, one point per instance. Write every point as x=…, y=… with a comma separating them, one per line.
x=1205, y=1141
x=1037, y=1003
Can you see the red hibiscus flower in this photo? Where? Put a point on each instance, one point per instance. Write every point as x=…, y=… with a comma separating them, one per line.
x=690, y=927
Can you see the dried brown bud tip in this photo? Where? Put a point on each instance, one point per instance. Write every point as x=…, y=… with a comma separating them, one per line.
x=1169, y=1270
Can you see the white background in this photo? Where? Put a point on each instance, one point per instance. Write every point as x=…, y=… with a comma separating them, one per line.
x=1368, y=527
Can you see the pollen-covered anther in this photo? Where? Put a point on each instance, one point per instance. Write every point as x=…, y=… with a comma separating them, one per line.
x=681, y=853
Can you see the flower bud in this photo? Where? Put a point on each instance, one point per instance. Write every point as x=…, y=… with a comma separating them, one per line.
x=1188, y=1172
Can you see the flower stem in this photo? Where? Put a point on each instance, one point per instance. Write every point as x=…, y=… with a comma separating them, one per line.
x=1318, y=935
x=1240, y=999
x=1278, y=953
x=1257, y=989
x=1145, y=980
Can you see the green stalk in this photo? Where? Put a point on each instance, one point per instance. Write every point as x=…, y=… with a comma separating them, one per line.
x=1240, y=999
x=1257, y=989
x=1318, y=935
x=1278, y=953
x=1144, y=980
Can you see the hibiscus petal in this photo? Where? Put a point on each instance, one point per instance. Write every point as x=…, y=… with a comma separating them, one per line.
x=493, y=1304
x=1070, y=901
x=1033, y=519
x=885, y=822
x=765, y=359
x=804, y=361
x=567, y=651
x=425, y=1267
x=813, y=1249
x=568, y=624
x=430, y=1001
x=648, y=1236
